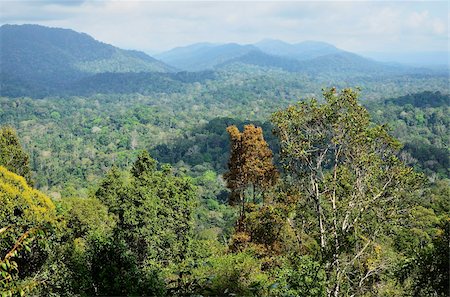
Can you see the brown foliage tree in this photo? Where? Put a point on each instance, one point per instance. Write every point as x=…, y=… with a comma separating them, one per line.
x=250, y=165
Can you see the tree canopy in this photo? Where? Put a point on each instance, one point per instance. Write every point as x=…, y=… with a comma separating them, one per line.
x=348, y=176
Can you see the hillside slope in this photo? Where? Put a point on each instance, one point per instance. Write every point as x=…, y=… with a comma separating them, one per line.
x=300, y=51
x=37, y=56
x=204, y=56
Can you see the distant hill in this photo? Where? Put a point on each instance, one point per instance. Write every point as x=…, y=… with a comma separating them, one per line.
x=182, y=56
x=259, y=58
x=352, y=64
x=309, y=57
x=436, y=59
x=300, y=51
x=40, y=57
x=38, y=61
x=204, y=56
x=341, y=64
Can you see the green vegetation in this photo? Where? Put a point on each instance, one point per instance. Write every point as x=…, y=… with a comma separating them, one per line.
x=344, y=216
x=12, y=155
x=117, y=182
x=422, y=123
x=27, y=220
x=348, y=176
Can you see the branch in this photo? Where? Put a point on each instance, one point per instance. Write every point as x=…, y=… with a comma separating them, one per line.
x=359, y=254
x=19, y=243
x=368, y=274
x=375, y=198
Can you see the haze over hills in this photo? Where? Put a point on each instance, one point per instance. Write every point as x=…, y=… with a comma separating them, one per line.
x=434, y=59
x=203, y=56
x=301, y=51
x=310, y=57
x=39, y=61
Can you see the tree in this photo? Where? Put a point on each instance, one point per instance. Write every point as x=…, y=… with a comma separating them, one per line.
x=12, y=155
x=250, y=164
x=155, y=211
x=25, y=215
x=347, y=172
x=143, y=164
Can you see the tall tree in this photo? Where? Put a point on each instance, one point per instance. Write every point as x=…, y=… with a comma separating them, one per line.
x=12, y=155
x=347, y=171
x=154, y=208
x=25, y=215
x=250, y=164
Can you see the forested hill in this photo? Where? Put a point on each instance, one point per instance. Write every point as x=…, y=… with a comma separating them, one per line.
x=301, y=51
x=204, y=56
x=38, y=61
x=41, y=58
x=309, y=57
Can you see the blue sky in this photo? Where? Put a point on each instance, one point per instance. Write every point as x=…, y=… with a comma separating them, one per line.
x=360, y=26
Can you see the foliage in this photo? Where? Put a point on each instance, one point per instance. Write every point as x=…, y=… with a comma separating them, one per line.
x=154, y=209
x=154, y=214
x=24, y=216
x=348, y=174
x=74, y=150
x=86, y=217
x=11, y=283
x=243, y=271
x=250, y=164
x=300, y=276
x=430, y=272
x=12, y=155
x=423, y=99
x=421, y=121
x=142, y=228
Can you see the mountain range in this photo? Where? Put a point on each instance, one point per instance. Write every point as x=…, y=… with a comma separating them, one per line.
x=39, y=61
x=201, y=56
x=310, y=57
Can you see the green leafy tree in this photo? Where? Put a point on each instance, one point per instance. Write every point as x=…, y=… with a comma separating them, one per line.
x=27, y=218
x=143, y=165
x=238, y=274
x=348, y=174
x=155, y=211
x=430, y=270
x=12, y=155
x=299, y=276
x=70, y=267
x=423, y=242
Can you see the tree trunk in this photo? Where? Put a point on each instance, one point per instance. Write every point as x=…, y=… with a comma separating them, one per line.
x=319, y=215
x=335, y=228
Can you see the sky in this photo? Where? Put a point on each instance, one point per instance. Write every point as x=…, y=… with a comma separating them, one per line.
x=153, y=26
